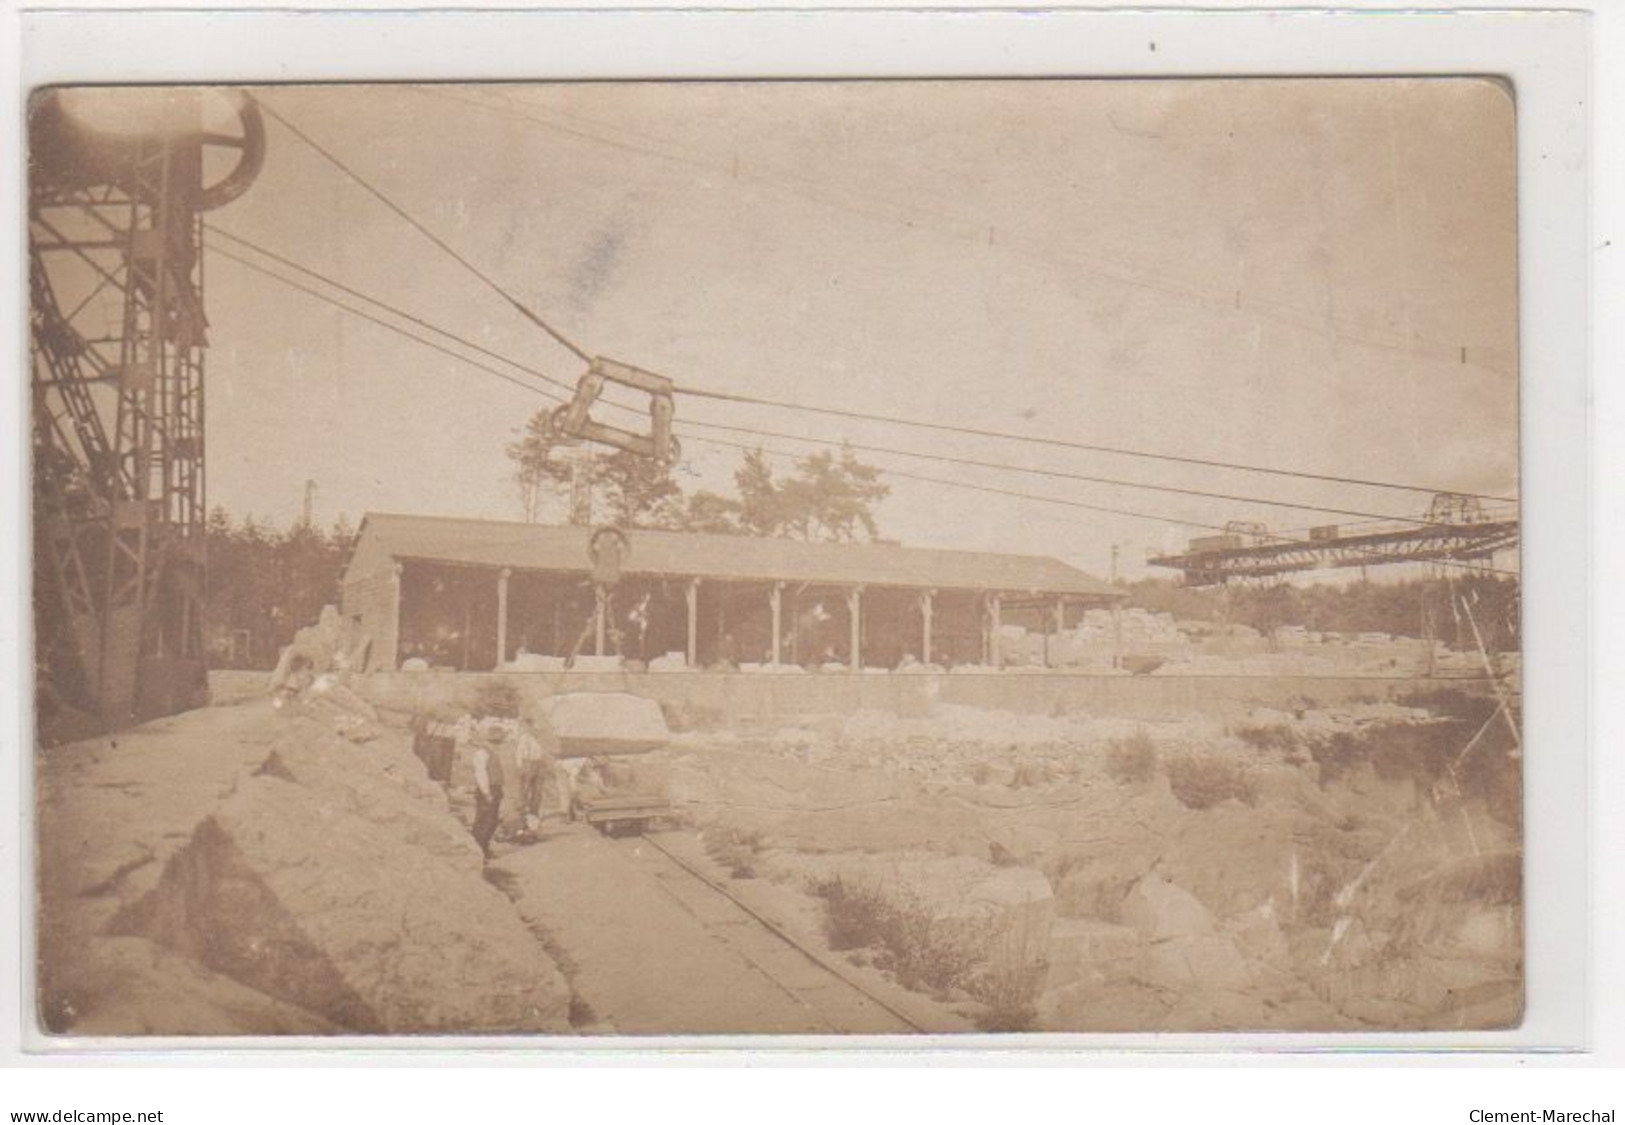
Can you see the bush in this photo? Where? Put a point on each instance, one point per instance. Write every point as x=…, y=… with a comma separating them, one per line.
x=735, y=849
x=1032, y=774
x=1269, y=737
x=923, y=951
x=1132, y=760
x=1009, y=986
x=1201, y=781
x=1469, y=745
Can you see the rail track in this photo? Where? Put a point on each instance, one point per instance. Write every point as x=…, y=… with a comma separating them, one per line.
x=824, y=988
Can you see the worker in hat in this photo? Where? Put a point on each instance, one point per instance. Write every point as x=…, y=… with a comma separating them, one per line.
x=487, y=782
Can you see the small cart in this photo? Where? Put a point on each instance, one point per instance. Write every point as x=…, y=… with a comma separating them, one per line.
x=622, y=815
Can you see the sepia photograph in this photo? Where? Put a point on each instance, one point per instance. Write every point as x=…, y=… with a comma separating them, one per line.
x=777, y=558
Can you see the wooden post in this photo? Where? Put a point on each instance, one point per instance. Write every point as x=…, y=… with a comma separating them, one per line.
x=994, y=649
x=776, y=599
x=1048, y=626
x=502, y=616
x=926, y=612
x=600, y=597
x=692, y=596
x=854, y=613
x=1059, y=613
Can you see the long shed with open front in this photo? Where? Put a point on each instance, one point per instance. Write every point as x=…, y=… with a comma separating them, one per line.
x=477, y=595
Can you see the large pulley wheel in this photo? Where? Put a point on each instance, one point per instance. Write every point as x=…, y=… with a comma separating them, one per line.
x=557, y=434
x=249, y=144
x=79, y=144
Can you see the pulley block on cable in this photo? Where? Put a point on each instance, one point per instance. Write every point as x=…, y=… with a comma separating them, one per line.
x=574, y=419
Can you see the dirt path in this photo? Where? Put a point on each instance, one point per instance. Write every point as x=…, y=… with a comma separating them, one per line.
x=655, y=951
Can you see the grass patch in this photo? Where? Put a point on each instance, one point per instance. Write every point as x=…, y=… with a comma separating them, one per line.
x=1002, y=968
x=925, y=952
x=1467, y=746
x=1031, y=774
x=1269, y=738
x=736, y=849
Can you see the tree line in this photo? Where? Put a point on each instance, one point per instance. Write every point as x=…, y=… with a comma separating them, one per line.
x=266, y=583
x=826, y=495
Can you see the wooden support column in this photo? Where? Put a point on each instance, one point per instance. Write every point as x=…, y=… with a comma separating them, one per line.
x=692, y=596
x=502, y=616
x=927, y=609
x=995, y=650
x=599, y=617
x=391, y=656
x=776, y=600
x=1057, y=627
x=854, y=613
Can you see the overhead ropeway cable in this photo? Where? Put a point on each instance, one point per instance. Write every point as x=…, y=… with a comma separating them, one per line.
x=942, y=458
x=490, y=282
x=1063, y=443
x=382, y=323
x=420, y=325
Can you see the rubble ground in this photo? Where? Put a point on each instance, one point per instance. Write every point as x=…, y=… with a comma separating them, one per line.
x=1143, y=876
x=236, y=870
x=240, y=870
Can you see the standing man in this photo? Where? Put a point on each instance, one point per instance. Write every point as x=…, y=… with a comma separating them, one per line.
x=536, y=748
x=487, y=786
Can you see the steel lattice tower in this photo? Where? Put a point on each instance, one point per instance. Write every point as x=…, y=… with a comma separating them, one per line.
x=118, y=335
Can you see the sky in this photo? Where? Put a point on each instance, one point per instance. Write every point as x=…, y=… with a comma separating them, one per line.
x=1315, y=275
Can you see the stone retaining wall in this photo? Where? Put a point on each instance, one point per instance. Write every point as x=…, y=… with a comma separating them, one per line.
x=736, y=696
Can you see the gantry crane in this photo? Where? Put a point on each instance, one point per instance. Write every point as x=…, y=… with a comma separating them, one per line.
x=118, y=334
x=1456, y=530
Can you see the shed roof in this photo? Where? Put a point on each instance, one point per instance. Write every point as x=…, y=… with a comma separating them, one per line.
x=386, y=537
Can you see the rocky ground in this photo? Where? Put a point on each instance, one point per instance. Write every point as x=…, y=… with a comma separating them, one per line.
x=229, y=871
x=233, y=871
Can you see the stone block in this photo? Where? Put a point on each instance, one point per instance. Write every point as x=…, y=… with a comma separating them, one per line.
x=311, y=905
x=380, y=783
x=590, y=724
x=597, y=664
x=1163, y=909
x=1195, y=961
